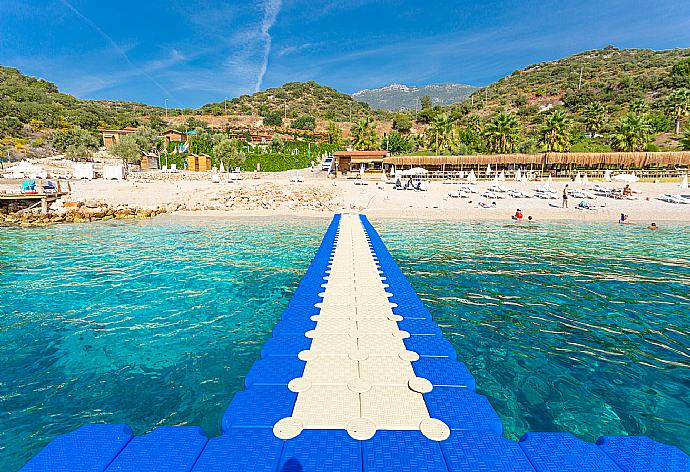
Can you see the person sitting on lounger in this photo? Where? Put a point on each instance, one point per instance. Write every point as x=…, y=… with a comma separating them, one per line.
x=627, y=191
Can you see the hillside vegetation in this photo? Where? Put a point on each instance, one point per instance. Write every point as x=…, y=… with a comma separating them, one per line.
x=296, y=99
x=612, y=77
x=600, y=100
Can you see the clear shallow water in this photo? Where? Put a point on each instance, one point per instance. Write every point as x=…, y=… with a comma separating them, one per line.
x=565, y=327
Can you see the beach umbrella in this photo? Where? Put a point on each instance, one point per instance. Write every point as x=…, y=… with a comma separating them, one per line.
x=414, y=171
x=585, y=180
x=549, y=182
x=222, y=167
x=607, y=176
x=471, y=177
x=523, y=182
x=383, y=176
x=461, y=174
x=361, y=170
x=627, y=178
x=518, y=176
x=495, y=180
x=578, y=179
x=488, y=169
x=684, y=183
x=502, y=177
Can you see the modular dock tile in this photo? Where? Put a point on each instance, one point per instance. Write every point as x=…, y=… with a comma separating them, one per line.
x=91, y=448
x=402, y=451
x=470, y=451
x=241, y=450
x=641, y=454
x=462, y=409
x=430, y=346
x=444, y=372
x=563, y=452
x=274, y=371
x=321, y=450
x=294, y=326
x=260, y=406
x=165, y=449
x=288, y=345
x=357, y=377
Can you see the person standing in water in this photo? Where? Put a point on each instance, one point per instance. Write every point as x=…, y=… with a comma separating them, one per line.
x=565, y=197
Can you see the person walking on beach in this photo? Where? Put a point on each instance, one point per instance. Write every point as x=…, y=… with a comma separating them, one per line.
x=565, y=197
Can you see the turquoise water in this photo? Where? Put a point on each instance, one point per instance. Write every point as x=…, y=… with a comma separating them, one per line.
x=564, y=326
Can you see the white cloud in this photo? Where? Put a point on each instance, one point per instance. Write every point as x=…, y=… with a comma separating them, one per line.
x=271, y=11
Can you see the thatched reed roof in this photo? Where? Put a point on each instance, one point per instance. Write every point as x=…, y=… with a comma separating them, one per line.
x=473, y=159
x=623, y=159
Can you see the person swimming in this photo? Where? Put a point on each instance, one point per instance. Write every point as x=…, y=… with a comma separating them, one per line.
x=653, y=226
x=518, y=216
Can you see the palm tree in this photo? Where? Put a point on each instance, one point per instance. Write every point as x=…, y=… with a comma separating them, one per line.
x=502, y=133
x=632, y=133
x=639, y=107
x=555, y=133
x=442, y=132
x=474, y=124
x=595, y=117
x=678, y=105
x=364, y=134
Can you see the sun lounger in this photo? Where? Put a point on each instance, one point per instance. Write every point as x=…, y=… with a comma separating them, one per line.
x=666, y=197
x=496, y=188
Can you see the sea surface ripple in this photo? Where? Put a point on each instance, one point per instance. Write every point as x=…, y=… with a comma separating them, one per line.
x=565, y=327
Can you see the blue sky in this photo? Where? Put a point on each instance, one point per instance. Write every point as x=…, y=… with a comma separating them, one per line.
x=193, y=52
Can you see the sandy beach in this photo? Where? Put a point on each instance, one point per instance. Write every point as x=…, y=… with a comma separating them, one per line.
x=275, y=194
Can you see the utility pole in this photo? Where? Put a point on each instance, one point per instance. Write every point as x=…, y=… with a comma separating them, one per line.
x=579, y=85
x=225, y=104
x=166, y=107
x=350, y=112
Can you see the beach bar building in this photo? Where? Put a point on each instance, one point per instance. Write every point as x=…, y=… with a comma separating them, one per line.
x=354, y=161
x=649, y=164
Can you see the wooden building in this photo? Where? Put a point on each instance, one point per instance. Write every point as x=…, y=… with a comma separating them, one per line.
x=112, y=136
x=354, y=161
x=198, y=163
x=149, y=161
x=174, y=136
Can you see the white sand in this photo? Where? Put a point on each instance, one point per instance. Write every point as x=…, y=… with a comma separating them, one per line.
x=380, y=200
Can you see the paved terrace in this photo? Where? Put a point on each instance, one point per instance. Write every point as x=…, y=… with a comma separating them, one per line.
x=357, y=377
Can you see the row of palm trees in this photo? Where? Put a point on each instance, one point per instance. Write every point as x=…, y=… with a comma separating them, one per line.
x=502, y=132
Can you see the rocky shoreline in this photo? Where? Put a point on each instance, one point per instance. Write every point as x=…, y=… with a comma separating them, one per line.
x=263, y=197
x=75, y=212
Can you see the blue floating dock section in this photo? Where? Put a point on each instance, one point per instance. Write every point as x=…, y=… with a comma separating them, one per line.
x=248, y=443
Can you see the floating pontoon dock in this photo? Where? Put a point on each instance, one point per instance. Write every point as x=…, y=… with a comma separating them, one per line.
x=357, y=377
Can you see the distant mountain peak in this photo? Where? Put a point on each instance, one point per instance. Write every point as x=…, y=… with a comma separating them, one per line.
x=395, y=97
